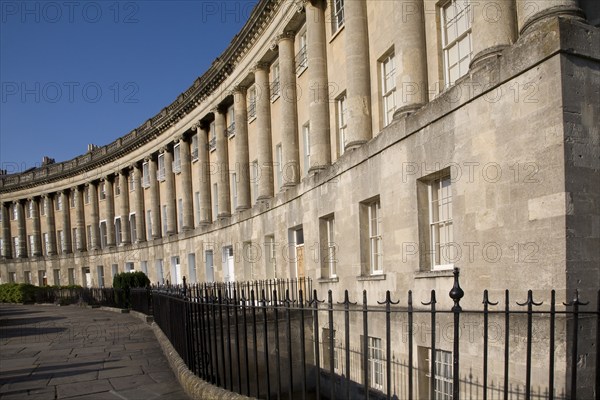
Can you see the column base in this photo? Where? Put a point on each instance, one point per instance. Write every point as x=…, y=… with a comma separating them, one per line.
x=224, y=215
x=315, y=169
x=355, y=144
x=487, y=55
x=242, y=208
x=124, y=243
x=562, y=11
x=405, y=111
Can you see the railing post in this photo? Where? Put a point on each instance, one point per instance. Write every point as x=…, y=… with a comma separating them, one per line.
x=575, y=303
x=456, y=294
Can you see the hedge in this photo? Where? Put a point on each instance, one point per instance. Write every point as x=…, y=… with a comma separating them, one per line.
x=25, y=292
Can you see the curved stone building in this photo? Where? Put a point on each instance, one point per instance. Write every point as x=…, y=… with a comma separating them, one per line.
x=368, y=145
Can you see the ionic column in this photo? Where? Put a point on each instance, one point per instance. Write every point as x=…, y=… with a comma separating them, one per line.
x=289, y=112
x=80, y=239
x=110, y=211
x=21, y=229
x=171, y=195
x=494, y=28
x=263, y=121
x=6, y=235
x=204, y=174
x=410, y=57
x=67, y=246
x=36, y=227
x=530, y=12
x=222, y=164
x=50, y=224
x=154, y=198
x=241, y=147
x=358, y=79
x=94, y=216
x=140, y=213
x=318, y=109
x=124, y=207
x=186, y=184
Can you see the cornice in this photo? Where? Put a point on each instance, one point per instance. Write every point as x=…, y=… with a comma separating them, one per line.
x=199, y=92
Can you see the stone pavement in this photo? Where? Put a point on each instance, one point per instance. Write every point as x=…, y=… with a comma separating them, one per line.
x=50, y=352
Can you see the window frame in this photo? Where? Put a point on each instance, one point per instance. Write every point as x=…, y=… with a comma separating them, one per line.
x=251, y=103
x=177, y=158
x=275, y=81
x=375, y=237
x=160, y=170
x=301, y=58
x=388, y=94
x=337, y=16
x=341, y=109
x=447, y=46
x=433, y=189
x=194, y=148
x=146, y=174
x=306, y=147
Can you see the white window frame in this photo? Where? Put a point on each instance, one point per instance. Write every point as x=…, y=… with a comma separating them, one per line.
x=306, y=146
x=46, y=238
x=331, y=247
x=301, y=56
x=254, y=180
x=376, y=363
x=15, y=212
x=149, y=224
x=177, y=158
x=251, y=103
x=86, y=193
x=31, y=242
x=59, y=204
x=234, y=192
x=444, y=383
x=212, y=143
x=194, y=148
x=342, y=122
x=117, y=185
x=215, y=201
x=179, y=215
x=279, y=166
x=118, y=230
x=145, y=174
x=131, y=181
x=459, y=8
x=275, y=81
x=73, y=199
x=132, y=227
x=197, y=208
x=388, y=87
x=375, y=239
x=102, y=191
x=103, y=234
x=231, y=122
x=29, y=213
x=160, y=171
x=16, y=250
x=337, y=15
x=43, y=210
x=164, y=219
x=440, y=222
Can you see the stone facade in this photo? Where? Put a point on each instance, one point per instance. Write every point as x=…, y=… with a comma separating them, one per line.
x=366, y=150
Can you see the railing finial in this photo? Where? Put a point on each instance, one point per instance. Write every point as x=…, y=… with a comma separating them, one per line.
x=456, y=293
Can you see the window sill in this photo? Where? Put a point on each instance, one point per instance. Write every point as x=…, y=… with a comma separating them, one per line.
x=334, y=279
x=275, y=97
x=299, y=73
x=377, y=277
x=251, y=119
x=446, y=273
x=336, y=33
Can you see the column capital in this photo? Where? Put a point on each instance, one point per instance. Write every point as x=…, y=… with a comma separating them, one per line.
x=260, y=66
x=286, y=35
x=219, y=109
x=196, y=126
x=239, y=88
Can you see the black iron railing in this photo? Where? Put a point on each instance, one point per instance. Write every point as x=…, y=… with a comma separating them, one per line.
x=282, y=344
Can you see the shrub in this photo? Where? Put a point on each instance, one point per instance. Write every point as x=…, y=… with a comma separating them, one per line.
x=17, y=293
x=123, y=281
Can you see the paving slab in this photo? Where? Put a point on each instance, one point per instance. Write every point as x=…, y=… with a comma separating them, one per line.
x=52, y=352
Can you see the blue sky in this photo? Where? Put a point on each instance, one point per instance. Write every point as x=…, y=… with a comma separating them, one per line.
x=79, y=72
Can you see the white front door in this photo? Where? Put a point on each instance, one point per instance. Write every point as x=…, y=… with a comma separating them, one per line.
x=176, y=271
x=228, y=272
